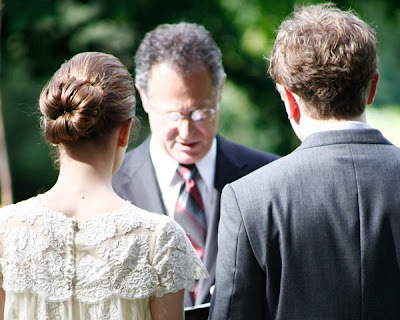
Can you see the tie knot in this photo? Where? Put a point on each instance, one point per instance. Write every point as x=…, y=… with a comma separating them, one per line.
x=187, y=171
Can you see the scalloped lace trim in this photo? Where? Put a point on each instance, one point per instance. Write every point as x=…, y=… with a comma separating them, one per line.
x=131, y=254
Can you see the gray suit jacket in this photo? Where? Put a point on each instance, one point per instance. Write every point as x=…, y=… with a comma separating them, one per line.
x=315, y=234
x=136, y=181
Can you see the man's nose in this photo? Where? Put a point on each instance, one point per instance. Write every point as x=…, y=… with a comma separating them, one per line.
x=184, y=128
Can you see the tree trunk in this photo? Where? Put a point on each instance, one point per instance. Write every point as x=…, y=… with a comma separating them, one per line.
x=5, y=176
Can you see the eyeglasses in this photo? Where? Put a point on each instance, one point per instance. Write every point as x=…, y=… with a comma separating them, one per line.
x=173, y=118
x=198, y=115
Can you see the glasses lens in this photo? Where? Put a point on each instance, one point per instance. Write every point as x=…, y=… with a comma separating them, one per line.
x=203, y=114
x=173, y=116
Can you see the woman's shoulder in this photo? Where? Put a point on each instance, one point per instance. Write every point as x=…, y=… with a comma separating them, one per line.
x=21, y=204
x=142, y=213
x=21, y=208
x=137, y=217
x=164, y=232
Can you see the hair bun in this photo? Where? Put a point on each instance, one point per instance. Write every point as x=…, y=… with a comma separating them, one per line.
x=72, y=109
x=88, y=97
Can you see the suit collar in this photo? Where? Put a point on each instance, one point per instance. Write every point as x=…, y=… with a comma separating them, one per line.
x=350, y=136
x=228, y=166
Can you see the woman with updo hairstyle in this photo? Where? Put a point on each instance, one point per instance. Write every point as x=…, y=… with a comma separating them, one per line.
x=79, y=251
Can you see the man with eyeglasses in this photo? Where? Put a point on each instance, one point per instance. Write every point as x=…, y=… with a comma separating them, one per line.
x=179, y=76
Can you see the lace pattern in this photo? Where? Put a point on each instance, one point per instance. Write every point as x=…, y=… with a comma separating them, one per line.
x=128, y=254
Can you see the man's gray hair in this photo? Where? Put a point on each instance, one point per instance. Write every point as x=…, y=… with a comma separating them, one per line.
x=184, y=46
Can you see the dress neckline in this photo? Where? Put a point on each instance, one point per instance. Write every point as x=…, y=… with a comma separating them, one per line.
x=75, y=219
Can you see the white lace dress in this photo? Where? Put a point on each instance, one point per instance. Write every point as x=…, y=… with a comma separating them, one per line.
x=109, y=267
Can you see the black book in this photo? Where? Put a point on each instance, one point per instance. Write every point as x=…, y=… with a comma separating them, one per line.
x=199, y=312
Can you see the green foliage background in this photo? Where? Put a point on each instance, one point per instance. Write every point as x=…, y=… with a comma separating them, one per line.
x=37, y=36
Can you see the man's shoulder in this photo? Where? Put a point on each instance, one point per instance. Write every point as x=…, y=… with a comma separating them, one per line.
x=235, y=161
x=141, y=151
x=134, y=160
x=238, y=151
x=270, y=176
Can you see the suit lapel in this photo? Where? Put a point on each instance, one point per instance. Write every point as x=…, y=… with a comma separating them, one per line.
x=226, y=170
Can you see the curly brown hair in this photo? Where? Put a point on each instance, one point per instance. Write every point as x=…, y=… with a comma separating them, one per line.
x=327, y=57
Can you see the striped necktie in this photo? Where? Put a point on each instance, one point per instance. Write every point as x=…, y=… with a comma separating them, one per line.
x=189, y=209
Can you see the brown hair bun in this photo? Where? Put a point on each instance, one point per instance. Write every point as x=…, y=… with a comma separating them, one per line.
x=87, y=96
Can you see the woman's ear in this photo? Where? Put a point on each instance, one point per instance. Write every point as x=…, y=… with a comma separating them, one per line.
x=372, y=89
x=124, y=131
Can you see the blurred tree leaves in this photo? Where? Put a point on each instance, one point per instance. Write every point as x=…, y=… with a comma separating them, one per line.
x=37, y=36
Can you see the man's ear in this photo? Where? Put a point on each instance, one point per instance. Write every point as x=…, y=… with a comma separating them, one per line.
x=293, y=109
x=372, y=90
x=221, y=87
x=124, y=131
x=143, y=98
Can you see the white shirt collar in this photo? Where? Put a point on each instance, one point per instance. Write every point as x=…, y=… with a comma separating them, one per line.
x=342, y=125
x=206, y=166
x=165, y=166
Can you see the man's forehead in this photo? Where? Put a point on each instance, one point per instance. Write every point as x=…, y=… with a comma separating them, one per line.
x=167, y=75
x=180, y=70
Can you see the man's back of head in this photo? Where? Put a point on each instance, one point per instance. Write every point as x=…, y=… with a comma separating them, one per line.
x=328, y=58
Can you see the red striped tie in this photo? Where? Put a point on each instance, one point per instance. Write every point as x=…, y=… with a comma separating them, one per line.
x=189, y=209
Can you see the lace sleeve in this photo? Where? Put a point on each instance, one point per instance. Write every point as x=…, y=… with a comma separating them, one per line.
x=5, y=214
x=1, y=258
x=175, y=260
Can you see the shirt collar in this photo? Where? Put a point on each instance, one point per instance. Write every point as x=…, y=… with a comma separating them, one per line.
x=342, y=125
x=165, y=166
x=206, y=166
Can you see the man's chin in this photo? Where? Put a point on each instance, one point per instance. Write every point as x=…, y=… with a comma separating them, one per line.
x=187, y=158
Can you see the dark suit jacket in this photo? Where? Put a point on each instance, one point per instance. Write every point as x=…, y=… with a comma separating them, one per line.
x=315, y=234
x=136, y=181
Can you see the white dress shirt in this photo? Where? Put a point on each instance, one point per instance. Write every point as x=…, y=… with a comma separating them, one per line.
x=169, y=181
